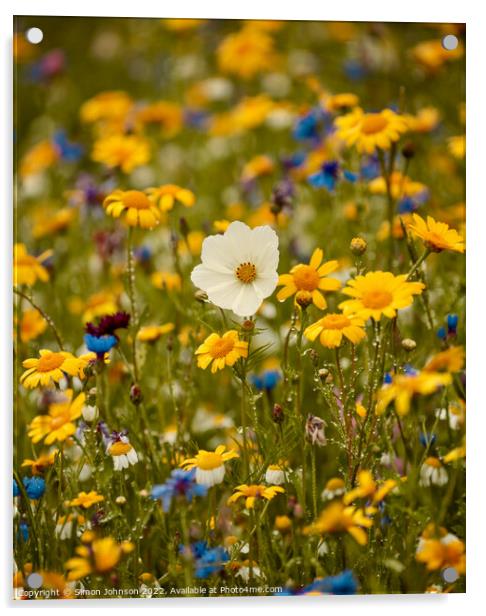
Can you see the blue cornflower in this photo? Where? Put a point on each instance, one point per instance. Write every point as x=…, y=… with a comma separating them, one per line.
x=387, y=379
x=294, y=160
x=70, y=152
x=266, y=380
x=143, y=254
x=350, y=176
x=16, y=489
x=326, y=177
x=370, y=169
x=198, y=548
x=308, y=127
x=35, y=487
x=212, y=561
x=409, y=370
x=23, y=530
x=407, y=205
x=442, y=333
x=180, y=483
x=427, y=439
x=452, y=321
x=342, y=584
x=355, y=70
x=100, y=344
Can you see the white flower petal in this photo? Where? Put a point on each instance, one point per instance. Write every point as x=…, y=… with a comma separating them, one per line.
x=217, y=254
x=205, y=278
x=247, y=302
x=265, y=284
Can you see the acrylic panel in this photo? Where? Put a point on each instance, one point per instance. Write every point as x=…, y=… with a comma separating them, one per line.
x=239, y=303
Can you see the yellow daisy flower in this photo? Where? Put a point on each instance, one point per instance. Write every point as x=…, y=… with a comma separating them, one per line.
x=457, y=146
x=369, y=489
x=27, y=268
x=58, y=424
x=139, y=211
x=40, y=157
x=32, y=325
x=166, y=281
x=123, y=151
x=110, y=108
x=253, y=493
x=222, y=351
x=400, y=186
x=450, y=360
x=333, y=327
x=437, y=236
x=311, y=278
x=86, y=499
x=39, y=465
x=379, y=293
x=368, y=131
x=209, y=465
x=405, y=386
x=100, y=557
x=165, y=114
x=48, y=368
x=151, y=333
x=442, y=552
x=246, y=53
x=165, y=196
x=337, y=518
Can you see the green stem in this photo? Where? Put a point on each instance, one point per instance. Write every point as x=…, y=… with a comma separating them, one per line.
x=44, y=315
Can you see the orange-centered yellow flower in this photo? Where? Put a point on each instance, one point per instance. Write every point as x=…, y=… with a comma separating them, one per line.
x=379, y=293
x=253, y=493
x=337, y=518
x=332, y=328
x=222, y=351
x=100, y=557
x=311, y=278
x=27, y=268
x=368, y=131
x=167, y=195
x=246, y=53
x=441, y=552
x=151, y=333
x=368, y=488
x=437, y=236
x=139, y=211
x=405, y=386
x=86, y=499
x=48, y=368
x=123, y=151
x=32, y=325
x=58, y=424
x=209, y=465
x=39, y=465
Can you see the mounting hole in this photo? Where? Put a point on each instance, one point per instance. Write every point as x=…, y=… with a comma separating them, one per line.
x=450, y=42
x=34, y=35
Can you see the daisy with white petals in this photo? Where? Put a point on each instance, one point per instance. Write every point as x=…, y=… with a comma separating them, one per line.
x=239, y=269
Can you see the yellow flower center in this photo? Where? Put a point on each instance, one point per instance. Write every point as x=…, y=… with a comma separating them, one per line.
x=59, y=421
x=254, y=490
x=120, y=449
x=373, y=123
x=136, y=199
x=222, y=347
x=434, y=462
x=306, y=278
x=246, y=272
x=377, y=299
x=209, y=460
x=434, y=241
x=335, y=321
x=50, y=361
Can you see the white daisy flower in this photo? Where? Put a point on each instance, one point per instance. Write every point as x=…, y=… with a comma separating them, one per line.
x=239, y=269
x=122, y=452
x=209, y=465
x=433, y=473
x=275, y=475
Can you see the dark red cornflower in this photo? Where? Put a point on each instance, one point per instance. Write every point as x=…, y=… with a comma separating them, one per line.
x=108, y=324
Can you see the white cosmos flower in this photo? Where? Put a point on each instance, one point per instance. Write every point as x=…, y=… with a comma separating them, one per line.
x=239, y=269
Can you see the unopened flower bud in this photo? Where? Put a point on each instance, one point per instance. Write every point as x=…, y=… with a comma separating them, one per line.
x=248, y=325
x=136, y=395
x=90, y=413
x=408, y=345
x=277, y=414
x=201, y=296
x=358, y=246
x=408, y=150
x=183, y=226
x=303, y=299
x=323, y=374
x=91, y=397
